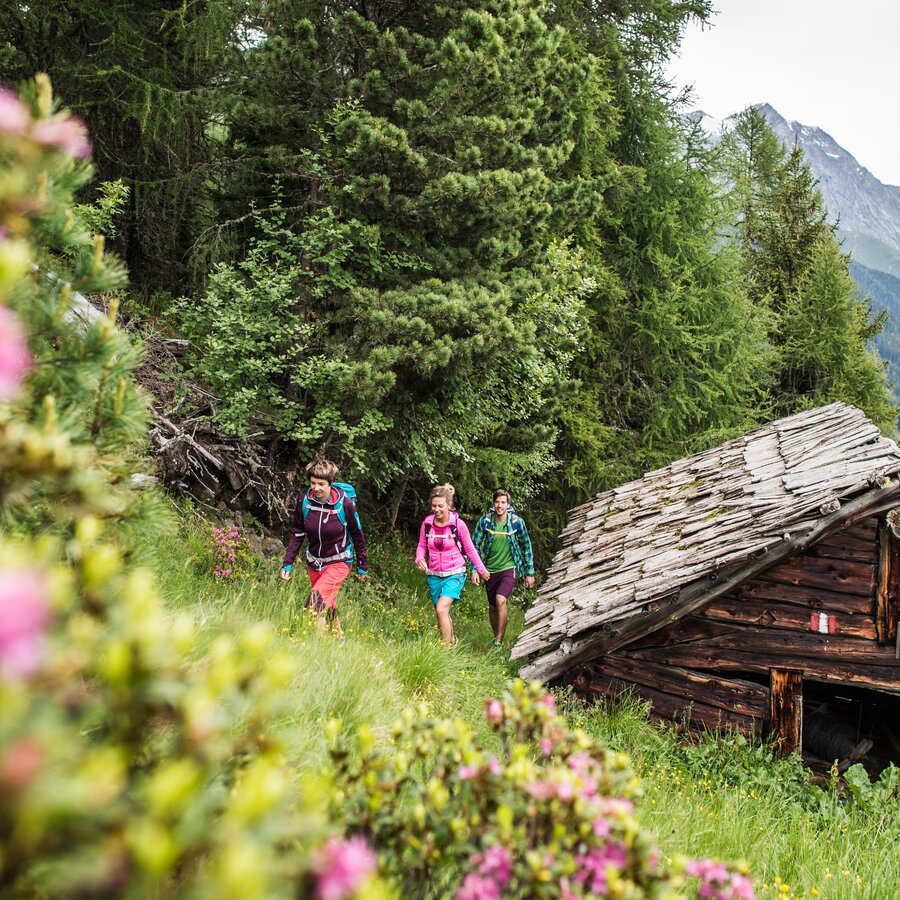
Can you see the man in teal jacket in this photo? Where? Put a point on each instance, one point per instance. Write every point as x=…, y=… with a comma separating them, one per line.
x=502, y=542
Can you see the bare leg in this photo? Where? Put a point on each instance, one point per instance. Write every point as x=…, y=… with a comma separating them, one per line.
x=499, y=618
x=494, y=617
x=442, y=611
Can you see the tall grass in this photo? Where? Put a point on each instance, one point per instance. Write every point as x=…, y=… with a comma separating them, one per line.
x=717, y=797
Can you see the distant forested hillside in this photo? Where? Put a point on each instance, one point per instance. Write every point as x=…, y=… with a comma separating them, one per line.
x=884, y=292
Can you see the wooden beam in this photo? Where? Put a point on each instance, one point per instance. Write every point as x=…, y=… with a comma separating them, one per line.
x=786, y=709
x=811, y=598
x=746, y=698
x=829, y=671
x=677, y=709
x=886, y=589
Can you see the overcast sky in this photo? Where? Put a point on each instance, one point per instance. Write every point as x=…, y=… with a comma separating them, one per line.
x=829, y=63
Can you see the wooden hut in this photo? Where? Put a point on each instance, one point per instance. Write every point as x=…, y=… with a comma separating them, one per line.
x=716, y=587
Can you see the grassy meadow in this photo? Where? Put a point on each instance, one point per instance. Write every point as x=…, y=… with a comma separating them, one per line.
x=716, y=796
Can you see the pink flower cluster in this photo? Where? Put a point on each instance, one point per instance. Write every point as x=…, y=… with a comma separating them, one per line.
x=342, y=866
x=467, y=773
x=67, y=133
x=225, y=544
x=14, y=357
x=493, y=869
x=717, y=882
x=24, y=614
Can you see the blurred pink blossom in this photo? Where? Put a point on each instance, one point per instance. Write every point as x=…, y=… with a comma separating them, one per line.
x=495, y=862
x=478, y=887
x=342, y=866
x=68, y=134
x=14, y=357
x=494, y=766
x=494, y=711
x=466, y=773
x=24, y=613
x=602, y=827
x=20, y=762
x=742, y=887
x=546, y=747
x=549, y=701
x=580, y=762
x=14, y=115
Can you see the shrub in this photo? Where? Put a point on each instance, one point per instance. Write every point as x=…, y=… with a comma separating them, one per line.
x=546, y=813
x=127, y=768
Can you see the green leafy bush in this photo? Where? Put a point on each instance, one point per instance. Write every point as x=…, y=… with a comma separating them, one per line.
x=544, y=813
x=127, y=767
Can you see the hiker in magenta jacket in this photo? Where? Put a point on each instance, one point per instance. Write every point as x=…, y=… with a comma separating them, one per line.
x=333, y=537
x=444, y=544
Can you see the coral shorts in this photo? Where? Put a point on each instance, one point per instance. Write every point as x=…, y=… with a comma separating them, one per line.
x=325, y=585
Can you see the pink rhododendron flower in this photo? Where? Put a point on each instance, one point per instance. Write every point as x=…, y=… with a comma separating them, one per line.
x=341, y=867
x=495, y=862
x=14, y=115
x=24, y=613
x=602, y=827
x=616, y=806
x=580, y=763
x=589, y=787
x=494, y=711
x=591, y=867
x=494, y=766
x=14, y=357
x=741, y=887
x=466, y=773
x=69, y=135
x=541, y=790
x=565, y=790
x=546, y=747
x=707, y=869
x=21, y=762
x=477, y=887
x=549, y=701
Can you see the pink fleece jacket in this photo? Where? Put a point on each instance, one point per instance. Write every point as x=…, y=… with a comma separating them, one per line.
x=443, y=554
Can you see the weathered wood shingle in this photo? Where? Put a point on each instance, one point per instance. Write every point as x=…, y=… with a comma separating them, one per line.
x=634, y=547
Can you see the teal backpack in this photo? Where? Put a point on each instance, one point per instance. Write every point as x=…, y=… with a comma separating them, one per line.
x=349, y=492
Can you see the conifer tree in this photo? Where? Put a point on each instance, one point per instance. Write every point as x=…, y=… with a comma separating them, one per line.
x=419, y=151
x=673, y=357
x=820, y=328
x=147, y=77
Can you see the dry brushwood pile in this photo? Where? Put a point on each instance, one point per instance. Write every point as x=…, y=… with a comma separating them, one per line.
x=195, y=457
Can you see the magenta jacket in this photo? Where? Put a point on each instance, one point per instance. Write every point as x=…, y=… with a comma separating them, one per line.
x=443, y=554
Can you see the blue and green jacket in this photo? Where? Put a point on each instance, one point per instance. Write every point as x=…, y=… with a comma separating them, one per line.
x=520, y=547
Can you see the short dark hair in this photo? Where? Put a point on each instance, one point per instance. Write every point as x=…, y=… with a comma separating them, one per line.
x=500, y=492
x=322, y=468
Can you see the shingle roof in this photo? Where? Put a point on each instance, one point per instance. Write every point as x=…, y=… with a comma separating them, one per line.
x=636, y=546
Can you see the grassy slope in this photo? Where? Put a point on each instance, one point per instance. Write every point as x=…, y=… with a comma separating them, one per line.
x=714, y=798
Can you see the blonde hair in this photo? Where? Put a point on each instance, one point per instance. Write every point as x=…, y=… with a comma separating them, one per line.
x=447, y=491
x=322, y=468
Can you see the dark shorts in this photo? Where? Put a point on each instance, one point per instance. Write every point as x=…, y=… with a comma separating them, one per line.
x=501, y=583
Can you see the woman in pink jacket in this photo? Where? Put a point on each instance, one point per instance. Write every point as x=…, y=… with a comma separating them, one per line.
x=444, y=544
